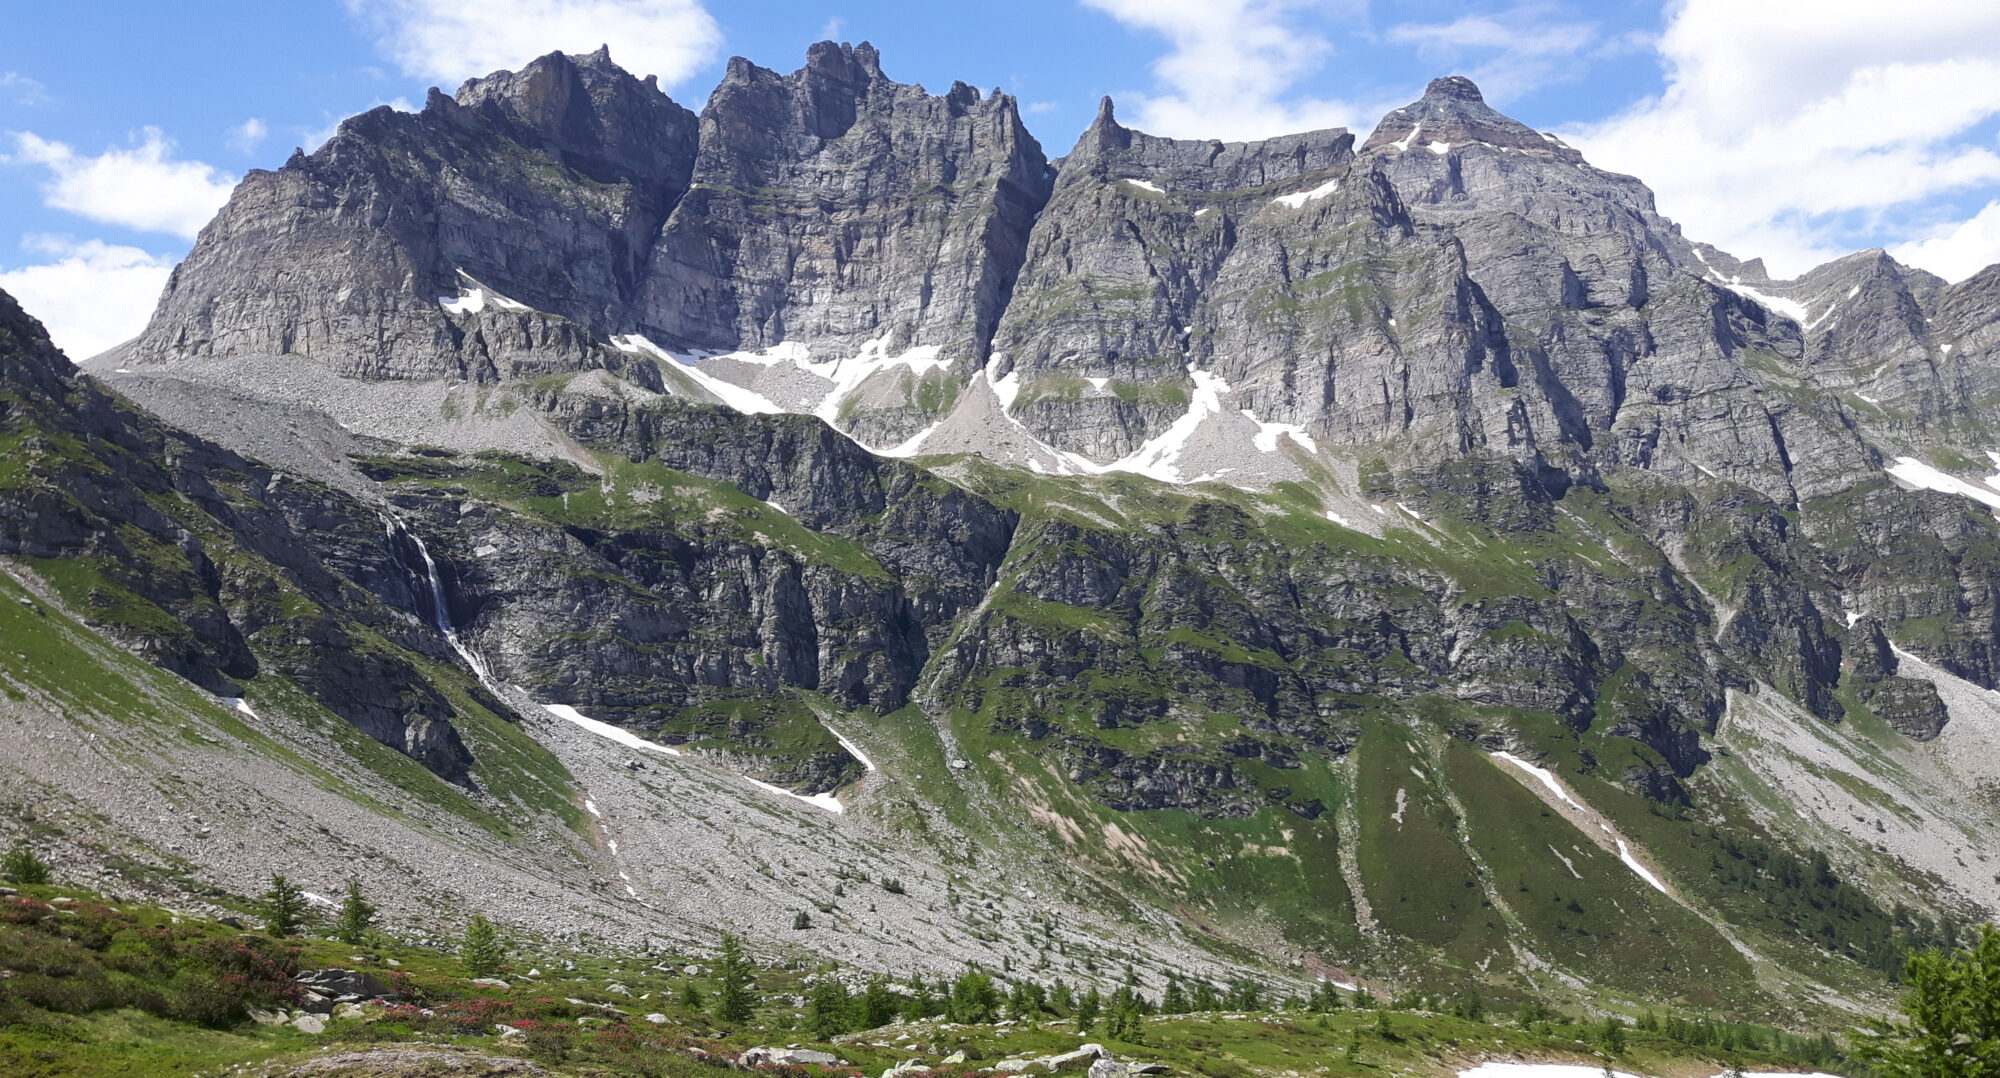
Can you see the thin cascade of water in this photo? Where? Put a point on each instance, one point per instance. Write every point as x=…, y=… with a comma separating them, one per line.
x=441, y=611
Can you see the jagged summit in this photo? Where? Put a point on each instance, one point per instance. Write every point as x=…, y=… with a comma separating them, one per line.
x=1455, y=87
x=1474, y=479
x=1452, y=112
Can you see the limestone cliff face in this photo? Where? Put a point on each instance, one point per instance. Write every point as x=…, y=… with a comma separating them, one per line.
x=834, y=206
x=1459, y=316
x=342, y=257
x=209, y=565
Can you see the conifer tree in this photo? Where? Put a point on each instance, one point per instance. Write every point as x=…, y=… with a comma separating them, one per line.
x=480, y=949
x=1087, y=1010
x=691, y=996
x=1174, y=999
x=283, y=907
x=733, y=999
x=1952, y=1016
x=827, y=1007
x=877, y=1006
x=20, y=865
x=357, y=916
x=974, y=1000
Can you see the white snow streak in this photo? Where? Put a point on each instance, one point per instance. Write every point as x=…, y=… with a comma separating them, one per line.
x=848, y=374
x=1409, y=138
x=1159, y=457
x=1267, y=434
x=735, y=396
x=1548, y=777
x=1303, y=197
x=1625, y=855
x=912, y=445
x=607, y=731
x=825, y=801
x=591, y=807
x=1790, y=308
x=1918, y=474
x=474, y=297
x=1146, y=185
x=1439, y=148
x=852, y=749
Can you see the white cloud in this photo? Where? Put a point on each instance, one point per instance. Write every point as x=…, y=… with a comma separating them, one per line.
x=1232, y=65
x=248, y=135
x=93, y=296
x=831, y=31
x=22, y=89
x=450, y=40
x=139, y=187
x=1789, y=128
x=1519, y=50
x=1958, y=251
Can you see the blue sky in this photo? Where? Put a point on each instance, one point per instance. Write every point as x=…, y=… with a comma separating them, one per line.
x=1788, y=129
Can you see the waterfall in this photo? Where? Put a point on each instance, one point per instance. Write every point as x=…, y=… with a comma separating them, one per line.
x=441, y=611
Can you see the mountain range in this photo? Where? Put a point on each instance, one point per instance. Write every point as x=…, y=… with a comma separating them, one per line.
x=1405, y=559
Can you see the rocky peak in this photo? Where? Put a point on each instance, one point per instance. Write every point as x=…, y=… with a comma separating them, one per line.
x=1104, y=135
x=32, y=361
x=1109, y=150
x=1453, y=88
x=1452, y=112
x=589, y=111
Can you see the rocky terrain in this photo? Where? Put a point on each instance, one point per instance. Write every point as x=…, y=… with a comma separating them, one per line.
x=1405, y=554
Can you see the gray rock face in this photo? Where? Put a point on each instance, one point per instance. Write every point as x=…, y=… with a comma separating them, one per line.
x=833, y=206
x=342, y=257
x=1110, y=307
x=210, y=565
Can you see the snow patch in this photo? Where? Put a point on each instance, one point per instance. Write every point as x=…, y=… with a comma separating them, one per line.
x=1204, y=209
x=1439, y=148
x=1918, y=474
x=1625, y=855
x=1301, y=198
x=605, y=730
x=1407, y=139
x=1146, y=185
x=825, y=801
x=318, y=899
x=848, y=374
x=1790, y=308
x=852, y=749
x=730, y=394
x=912, y=445
x=591, y=807
x=1266, y=438
x=1158, y=458
x=474, y=297
x=1546, y=776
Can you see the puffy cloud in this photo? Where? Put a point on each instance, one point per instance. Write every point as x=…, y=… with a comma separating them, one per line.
x=1231, y=65
x=248, y=135
x=451, y=40
x=1512, y=52
x=1957, y=251
x=93, y=296
x=139, y=187
x=1796, y=130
